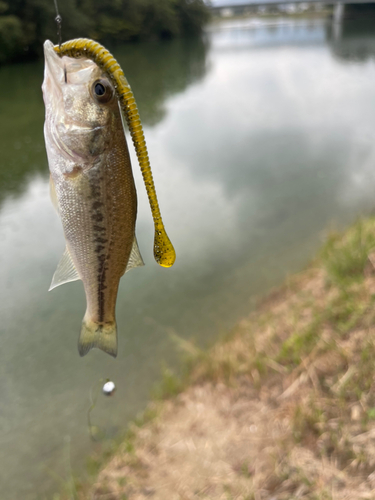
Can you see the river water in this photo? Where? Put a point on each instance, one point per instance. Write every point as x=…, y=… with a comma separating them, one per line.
x=261, y=136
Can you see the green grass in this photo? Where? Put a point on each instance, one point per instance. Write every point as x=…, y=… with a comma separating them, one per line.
x=169, y=386
x=300, y=344
x=344, y=256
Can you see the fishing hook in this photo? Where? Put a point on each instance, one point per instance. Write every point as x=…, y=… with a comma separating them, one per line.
x=58, y=20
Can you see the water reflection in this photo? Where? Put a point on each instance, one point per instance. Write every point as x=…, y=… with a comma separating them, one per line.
x=356, y=42
x=260, y=32
x=295, y=128
x=21, y=127
x=170, y=68
x=262, y=141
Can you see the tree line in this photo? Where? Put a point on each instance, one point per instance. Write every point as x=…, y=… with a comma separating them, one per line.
x=25, y=24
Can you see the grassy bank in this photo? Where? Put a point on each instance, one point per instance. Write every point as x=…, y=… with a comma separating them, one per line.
x=284, y=408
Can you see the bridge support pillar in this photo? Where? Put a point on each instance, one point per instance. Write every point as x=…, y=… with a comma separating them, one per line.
x=338, y=15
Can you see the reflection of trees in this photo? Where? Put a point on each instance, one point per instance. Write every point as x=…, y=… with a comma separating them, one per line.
x=155, y=71
x=160, y=69
x=357, y=38
x=21, y=126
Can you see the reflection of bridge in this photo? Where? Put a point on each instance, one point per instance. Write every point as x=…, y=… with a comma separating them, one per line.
x=238, y=7
x=219, y=5
x=227, y=8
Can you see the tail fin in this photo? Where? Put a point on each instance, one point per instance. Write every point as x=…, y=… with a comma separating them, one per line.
x=102, y=336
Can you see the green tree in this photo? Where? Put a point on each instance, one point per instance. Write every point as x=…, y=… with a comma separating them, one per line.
x=25, y=24
x=11, y=37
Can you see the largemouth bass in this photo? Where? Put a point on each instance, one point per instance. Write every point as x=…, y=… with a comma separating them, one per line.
x=92, y=188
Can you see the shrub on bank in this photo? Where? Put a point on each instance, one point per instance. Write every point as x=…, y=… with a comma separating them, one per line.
x=25, y=24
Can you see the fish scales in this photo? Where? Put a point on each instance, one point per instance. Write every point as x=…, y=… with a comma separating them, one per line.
x=99, y=225
x=93, y=188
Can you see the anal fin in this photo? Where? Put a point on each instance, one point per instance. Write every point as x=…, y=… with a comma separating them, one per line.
x=135, y=259
x=65, y=271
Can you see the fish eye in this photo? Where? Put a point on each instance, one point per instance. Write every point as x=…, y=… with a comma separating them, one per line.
x=99, y=89
x=102, y=91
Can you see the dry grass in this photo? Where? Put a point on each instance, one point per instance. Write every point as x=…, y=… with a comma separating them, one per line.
x=282, y=410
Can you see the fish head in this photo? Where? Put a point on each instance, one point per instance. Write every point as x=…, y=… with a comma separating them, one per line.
x=81, y=109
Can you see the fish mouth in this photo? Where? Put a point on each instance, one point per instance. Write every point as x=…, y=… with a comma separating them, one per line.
x=59, y=74
x=54, y=64
x=53, y=74
x=60, y=71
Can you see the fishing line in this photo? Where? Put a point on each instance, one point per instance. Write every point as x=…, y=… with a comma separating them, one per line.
x=69, y=470
x=58, y=20
x=108, y=389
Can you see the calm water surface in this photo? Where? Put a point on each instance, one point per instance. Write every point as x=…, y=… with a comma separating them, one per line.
x=261, y=136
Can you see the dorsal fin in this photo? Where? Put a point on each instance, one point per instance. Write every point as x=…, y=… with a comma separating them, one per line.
x=135, y=259
x=65, y=271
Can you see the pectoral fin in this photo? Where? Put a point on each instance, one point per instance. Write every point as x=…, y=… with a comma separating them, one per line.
x=135, y=259
x=65, y=271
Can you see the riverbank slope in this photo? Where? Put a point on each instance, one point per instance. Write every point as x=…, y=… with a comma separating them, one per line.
x=282, y=409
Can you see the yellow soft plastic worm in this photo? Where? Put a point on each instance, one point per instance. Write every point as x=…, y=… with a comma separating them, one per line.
x=164, y=252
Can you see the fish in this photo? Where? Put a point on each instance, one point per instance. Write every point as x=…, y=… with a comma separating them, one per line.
x=92, y=189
